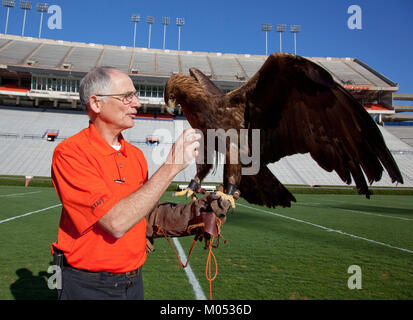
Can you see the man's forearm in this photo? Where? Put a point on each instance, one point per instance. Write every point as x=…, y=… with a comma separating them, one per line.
x=131, y=209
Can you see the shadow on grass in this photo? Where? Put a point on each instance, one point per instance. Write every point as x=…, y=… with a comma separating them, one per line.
x=31, y=287
x=369, y=208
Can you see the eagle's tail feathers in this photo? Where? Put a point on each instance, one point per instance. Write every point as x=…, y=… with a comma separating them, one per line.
x=265, y=189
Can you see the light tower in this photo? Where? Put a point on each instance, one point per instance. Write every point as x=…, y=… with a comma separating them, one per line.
x=8, y=4
x=281, y=28
x=42, y=8
x=25, y=5
x=179, y=22
x=135, y=19
x=295, y=29
x=150, y=20
x=165, y=22
x=266, y=27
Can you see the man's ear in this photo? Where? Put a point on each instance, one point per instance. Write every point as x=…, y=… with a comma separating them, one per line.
x=94, y=104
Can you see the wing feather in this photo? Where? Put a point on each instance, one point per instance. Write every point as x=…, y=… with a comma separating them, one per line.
x=300, y=108
x=209, y=87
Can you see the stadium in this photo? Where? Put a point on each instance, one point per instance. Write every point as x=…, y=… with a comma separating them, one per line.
x=302, y=253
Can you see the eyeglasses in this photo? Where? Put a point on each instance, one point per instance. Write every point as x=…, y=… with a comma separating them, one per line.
x=126, y=98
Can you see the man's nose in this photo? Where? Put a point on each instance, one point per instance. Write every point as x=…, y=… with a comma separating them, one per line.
x=136, y=103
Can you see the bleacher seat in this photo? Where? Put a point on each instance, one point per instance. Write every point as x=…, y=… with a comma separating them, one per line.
x=25, y=152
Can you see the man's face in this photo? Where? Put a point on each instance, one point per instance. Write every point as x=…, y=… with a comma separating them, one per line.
x=115, y=111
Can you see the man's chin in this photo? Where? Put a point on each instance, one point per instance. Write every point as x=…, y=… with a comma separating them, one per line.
x=128, y=123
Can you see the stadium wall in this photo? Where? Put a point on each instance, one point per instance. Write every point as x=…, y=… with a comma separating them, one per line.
x=26, y=151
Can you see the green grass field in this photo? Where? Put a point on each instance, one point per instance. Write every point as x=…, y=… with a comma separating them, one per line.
x=302, y=252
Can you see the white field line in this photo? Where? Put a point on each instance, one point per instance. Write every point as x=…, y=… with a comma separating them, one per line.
x=328, y=229
x=29, y=213
x=199, y=294
x=314, y=205
x=17, y=194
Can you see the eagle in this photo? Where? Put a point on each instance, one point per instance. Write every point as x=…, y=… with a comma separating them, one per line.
x=298, y=108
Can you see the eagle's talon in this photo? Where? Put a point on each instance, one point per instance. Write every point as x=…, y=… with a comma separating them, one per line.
x=228, y=197
x=188, y=192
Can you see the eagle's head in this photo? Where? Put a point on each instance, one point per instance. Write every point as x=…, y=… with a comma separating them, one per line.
x=170, y=94
x=171, y=103
x=181, y=90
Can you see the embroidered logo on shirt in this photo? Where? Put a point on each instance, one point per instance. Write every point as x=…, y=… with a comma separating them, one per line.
x=97, y=203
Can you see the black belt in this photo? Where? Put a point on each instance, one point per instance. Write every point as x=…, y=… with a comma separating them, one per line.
x=111, y=274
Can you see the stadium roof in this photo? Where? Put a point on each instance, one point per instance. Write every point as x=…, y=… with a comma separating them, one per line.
x=61, y=57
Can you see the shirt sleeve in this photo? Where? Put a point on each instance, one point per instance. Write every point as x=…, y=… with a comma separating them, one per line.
x=83, y=192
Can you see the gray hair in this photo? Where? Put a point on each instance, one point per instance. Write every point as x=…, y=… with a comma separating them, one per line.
x=96, y=81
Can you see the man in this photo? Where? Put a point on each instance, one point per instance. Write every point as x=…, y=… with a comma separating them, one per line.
x=102, y=182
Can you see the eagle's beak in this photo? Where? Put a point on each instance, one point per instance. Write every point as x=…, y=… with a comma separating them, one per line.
x=170, y=108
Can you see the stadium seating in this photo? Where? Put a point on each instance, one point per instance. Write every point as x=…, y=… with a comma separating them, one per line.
x=23, y=131
x=143, y=63
x=81, y=57
x=50, y=55
x=200, y=61
x=116, y=58
x=26, y=151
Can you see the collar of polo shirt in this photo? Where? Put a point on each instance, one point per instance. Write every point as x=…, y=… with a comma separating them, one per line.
x=101, y=144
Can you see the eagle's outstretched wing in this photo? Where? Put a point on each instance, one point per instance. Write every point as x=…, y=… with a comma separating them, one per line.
x=299, y=108
x=208, y=86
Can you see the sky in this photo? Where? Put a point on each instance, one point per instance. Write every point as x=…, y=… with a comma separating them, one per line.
x=383, y=38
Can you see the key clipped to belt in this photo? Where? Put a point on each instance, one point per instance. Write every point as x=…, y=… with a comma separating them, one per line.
x=58, y=258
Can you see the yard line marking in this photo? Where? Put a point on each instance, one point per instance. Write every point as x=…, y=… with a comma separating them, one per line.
x=328, y=229
x=29, y=213
x=18, y=194
x=199, y=294
x=356, y=211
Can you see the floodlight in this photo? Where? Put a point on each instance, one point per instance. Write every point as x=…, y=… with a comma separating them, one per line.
x=135, y=19
x=179, y=22
x=42, y=8
x=150, y=20
x=25, y=5
x=266, y=27
x=295, y=29
x=9, y=4
x=281, y=28
x=165, y=22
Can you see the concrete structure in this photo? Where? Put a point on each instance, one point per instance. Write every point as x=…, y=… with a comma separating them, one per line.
x=39, y=81
x=46, y=73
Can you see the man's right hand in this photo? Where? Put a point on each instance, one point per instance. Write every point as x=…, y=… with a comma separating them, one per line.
x=184, y=150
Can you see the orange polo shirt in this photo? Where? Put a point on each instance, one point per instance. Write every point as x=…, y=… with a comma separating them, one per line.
x=90, y=177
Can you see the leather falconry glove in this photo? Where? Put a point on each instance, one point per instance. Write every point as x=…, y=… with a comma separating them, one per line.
x=198, y=217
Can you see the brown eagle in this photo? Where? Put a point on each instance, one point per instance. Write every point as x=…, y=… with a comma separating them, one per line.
x=298, y=108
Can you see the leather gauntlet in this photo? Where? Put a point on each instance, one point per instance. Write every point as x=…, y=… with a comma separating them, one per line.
x=180, y=220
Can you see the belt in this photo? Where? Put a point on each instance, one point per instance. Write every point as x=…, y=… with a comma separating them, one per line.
x=111, y=274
